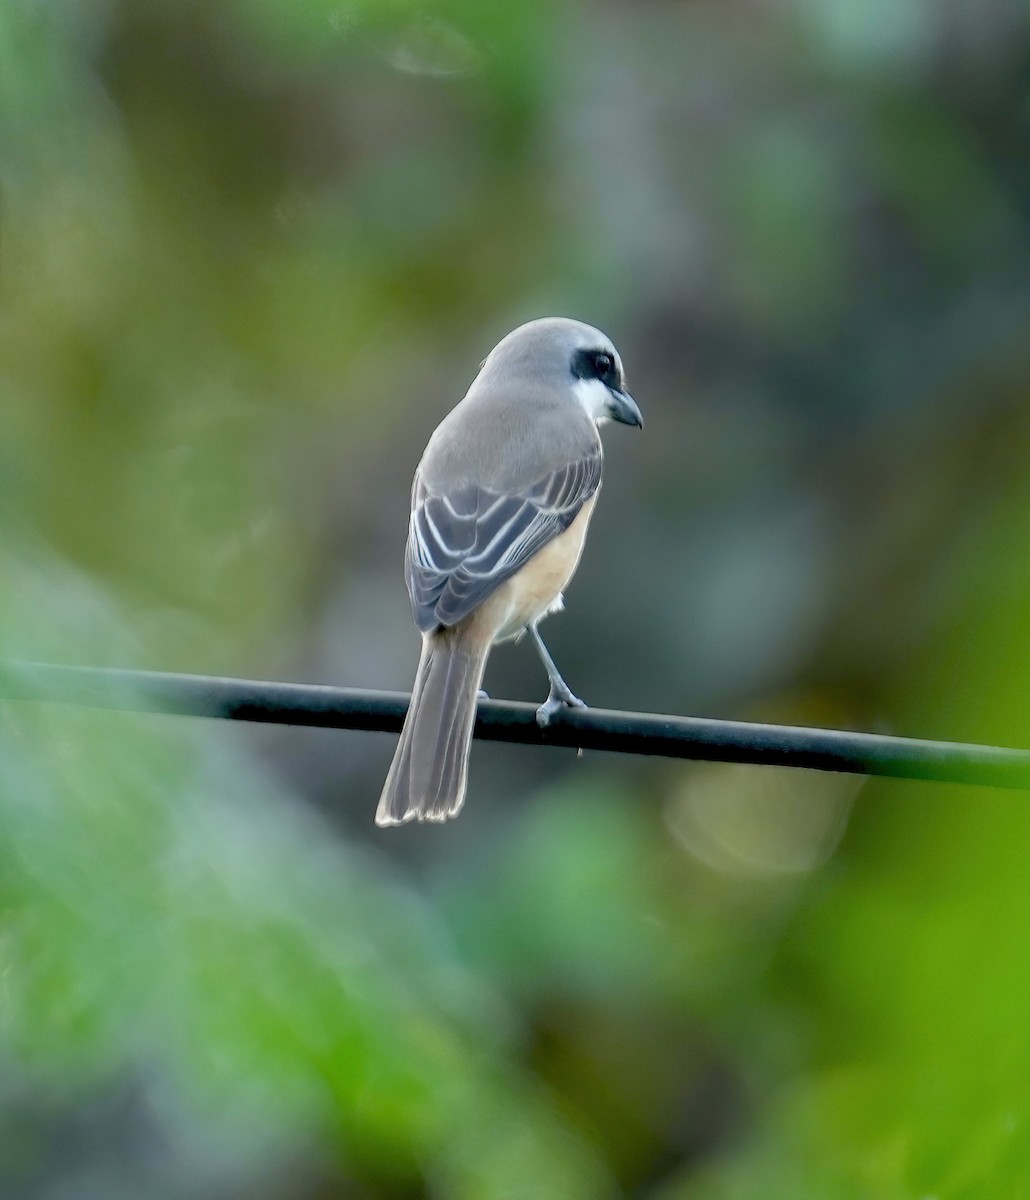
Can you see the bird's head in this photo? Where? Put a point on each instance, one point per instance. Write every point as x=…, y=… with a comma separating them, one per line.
x=575, y=359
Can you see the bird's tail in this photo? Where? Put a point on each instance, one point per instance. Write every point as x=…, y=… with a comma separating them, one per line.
x=430, y=767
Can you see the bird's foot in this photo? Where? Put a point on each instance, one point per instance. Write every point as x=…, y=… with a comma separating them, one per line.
x=560, y=696
x=482, y=694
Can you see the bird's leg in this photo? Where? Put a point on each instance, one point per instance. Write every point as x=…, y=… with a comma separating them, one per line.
x=561, y=695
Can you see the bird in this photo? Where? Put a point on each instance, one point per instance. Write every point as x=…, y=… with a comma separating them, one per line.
x=500, y=505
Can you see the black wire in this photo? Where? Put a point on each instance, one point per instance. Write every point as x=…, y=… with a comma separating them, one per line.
x=507, y=721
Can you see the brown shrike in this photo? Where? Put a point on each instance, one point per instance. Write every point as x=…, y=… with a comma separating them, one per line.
x=500, y=506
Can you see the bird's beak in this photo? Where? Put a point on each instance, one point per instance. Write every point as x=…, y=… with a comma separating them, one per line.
x=623, y=408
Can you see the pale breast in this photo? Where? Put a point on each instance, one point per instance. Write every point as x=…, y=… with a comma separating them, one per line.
x=537, y=588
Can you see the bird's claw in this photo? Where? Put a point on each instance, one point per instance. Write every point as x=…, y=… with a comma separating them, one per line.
x=559, y=698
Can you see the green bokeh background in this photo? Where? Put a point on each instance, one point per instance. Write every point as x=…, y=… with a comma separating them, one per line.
x=250, y=253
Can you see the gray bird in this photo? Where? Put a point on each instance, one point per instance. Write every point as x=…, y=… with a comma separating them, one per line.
x=500, y=505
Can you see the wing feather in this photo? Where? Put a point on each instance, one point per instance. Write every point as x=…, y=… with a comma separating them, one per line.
x=466, y=542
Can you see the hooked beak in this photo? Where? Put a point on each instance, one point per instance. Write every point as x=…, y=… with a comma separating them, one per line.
x=623, y=408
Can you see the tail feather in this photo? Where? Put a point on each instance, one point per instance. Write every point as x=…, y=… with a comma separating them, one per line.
x=427, y=778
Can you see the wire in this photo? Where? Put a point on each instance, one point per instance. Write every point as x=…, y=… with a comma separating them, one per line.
x=508, y=721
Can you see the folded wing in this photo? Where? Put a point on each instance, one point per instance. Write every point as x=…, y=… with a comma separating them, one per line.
x=465, y=543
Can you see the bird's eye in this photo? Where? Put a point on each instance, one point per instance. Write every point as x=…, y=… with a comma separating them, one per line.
x=595, y=364
x=604, y=364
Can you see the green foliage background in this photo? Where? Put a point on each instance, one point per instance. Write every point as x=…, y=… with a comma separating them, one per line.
x=249, y=254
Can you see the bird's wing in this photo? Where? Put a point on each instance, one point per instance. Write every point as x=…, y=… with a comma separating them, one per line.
x=465, y=542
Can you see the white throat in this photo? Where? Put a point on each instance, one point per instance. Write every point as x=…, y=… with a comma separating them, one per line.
x=593, y=396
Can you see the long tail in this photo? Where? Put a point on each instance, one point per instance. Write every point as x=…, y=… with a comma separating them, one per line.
x=430, y=767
